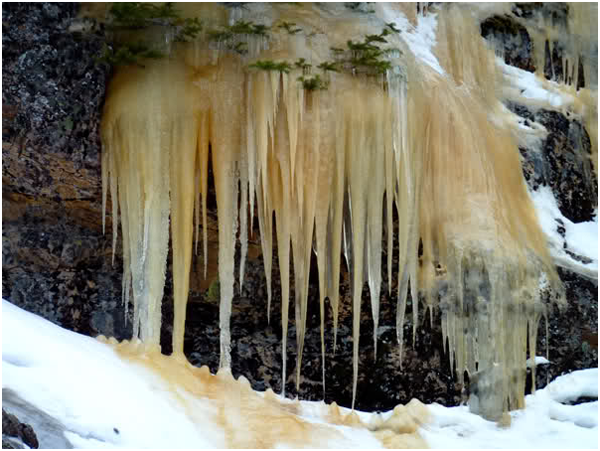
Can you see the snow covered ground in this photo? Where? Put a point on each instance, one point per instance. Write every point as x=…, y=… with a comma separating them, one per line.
x=96, y=398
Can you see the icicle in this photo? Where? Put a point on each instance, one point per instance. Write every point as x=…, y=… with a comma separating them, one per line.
x=183, y=195
x=322, y=216
x=115, y=205
x=282, y=199
x=202, y=159
x=228, y=107
x=303, y=230
x=250, y=150
x=375, y=194
x=358, y=165
x=243, y=214
x=105, y=166
x=337, y=217
x=196, y=211
x=266, y=242
x=401, y=310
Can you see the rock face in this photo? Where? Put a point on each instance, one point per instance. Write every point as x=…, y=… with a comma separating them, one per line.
x=49, y=432
x=513, y=39
x=57, y=263
x=55, y=260
x=577, y=348
x=564, y=163
x=13, y=429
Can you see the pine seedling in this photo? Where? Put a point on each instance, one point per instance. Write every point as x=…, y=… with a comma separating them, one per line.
x=303, y=65
x=269, y=65
x=315, y=83
x=290, y=27
x=328, y=66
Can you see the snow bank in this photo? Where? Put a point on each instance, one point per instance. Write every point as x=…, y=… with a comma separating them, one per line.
x=103, y=401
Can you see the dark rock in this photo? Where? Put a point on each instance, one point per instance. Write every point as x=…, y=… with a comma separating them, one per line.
x=56, y=261
x=580, y=400
x=509, y=33
x=513, y=39
x=49, y=431
x=573, y=334
x=8, y=443
x=12, y=427
x=560, y=228
x=53, y=81
x=564, y=164
x=567, y=150
x=59, y=269
x=556, y=13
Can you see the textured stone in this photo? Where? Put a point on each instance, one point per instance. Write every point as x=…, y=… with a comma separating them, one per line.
x=12, y=427
x=512, y=38
x=564, y=164
x=55, y=260
x=573, y=333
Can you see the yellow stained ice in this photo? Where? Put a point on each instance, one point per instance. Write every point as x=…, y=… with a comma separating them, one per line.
x=327, y=170
x=229, y=414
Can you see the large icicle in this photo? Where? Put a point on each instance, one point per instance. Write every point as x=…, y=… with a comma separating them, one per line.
x=326, y=169
x=139, y=141
x=226, y=126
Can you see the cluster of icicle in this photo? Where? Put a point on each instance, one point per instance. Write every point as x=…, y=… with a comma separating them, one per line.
x=565, y=50
x=326, y=170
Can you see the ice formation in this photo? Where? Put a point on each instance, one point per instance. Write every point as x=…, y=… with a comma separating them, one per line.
x=245, y=418
x=326, y=169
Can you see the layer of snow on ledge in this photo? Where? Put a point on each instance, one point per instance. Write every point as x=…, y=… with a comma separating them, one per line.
x=101, y=400
x=420, y=39
x=580, y=238
x=530, y=86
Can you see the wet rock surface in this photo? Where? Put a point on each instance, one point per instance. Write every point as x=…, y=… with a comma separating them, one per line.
x=57, y=263
x=12, y=428
x=512, y=39
x=573, y=334
x=564, y=163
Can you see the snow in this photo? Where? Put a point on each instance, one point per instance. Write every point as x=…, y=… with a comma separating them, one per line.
x=84, y=384
x=93, y=393
x=420, y=39
x=580, y=238
x=532, y=87
x=544, y=423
